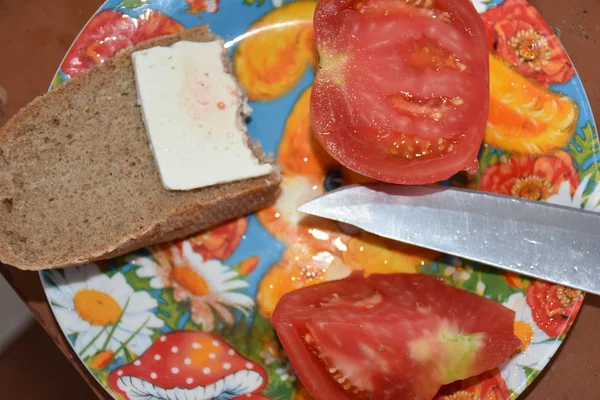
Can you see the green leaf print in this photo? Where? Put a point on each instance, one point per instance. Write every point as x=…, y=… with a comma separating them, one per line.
x=531, y=374
x=488, y=156
x=131, y=4
x=583, y=148
x=251, y=2
x=255, y=339
x=58, y=79
x=498, y=289
x=170, y=310
x=476, y=278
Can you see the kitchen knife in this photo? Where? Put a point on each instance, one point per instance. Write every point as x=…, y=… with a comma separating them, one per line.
x=545, y=241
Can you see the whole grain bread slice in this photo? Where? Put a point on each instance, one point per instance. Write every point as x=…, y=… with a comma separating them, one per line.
x=78, y=181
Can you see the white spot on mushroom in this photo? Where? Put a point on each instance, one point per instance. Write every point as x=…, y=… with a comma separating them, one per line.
x=189, y=381
x=120, y=373
x=206, y=370
x=215, y=343
x=175, y=370
x=157, y=357
x=212, y=355
x=174, y=349
x=249, y=366
x=137, y=363
x=163, y=338
x=196, y=345
x=231, y=352
x=187, y=361
x=226, y=365
x=153, y=375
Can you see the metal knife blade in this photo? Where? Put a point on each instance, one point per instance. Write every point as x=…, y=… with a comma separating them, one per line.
x=550, y=242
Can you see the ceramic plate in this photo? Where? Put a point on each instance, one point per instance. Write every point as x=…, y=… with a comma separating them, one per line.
x=194, y=314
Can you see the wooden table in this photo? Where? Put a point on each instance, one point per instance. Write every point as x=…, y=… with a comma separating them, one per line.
x=35, y=34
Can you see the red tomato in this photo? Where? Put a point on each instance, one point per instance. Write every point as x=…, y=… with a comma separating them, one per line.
x=390, y=336
x=401, y=94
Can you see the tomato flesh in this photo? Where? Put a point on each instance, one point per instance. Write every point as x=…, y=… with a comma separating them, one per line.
x=390, y=336
x=402, y=90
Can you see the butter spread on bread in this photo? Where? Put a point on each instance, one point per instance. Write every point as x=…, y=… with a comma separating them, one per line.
x=194, y=112
x=78, y=180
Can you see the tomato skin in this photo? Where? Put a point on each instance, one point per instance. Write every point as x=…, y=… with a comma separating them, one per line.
x=378, y=110
x=390, y=336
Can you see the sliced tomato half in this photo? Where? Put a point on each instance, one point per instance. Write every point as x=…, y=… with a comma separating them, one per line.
x=401, y=93
x=390, y=336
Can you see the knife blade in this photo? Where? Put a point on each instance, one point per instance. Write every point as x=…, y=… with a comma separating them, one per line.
x=545, y=241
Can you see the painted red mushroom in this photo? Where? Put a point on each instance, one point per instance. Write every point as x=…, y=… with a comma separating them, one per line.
x=190, y=365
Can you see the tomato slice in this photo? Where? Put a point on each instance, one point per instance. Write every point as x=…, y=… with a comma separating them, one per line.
x=401, y=93
x=390, y=336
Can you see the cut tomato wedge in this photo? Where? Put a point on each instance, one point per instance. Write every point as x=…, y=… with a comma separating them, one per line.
x=390, y=336
x=401, y=93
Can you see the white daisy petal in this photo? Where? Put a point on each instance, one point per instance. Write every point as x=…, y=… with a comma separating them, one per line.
x=132, y=322
x=140, y=344
x=537, y=354
x=193, y=257
x=85, y=340
x=231, y=285
x=93, y=277
x=563, y=197
x=141, y=301
x=240, y=299
x=147, y=266
x=70, y=321
x=228, y=275
x=119, y=289
x=578, y=196
x=156, y=283
x=75, y=278
x=514, y=376
x=593, y=201
x=136, y=320
x=56, y=277
x=60, y=297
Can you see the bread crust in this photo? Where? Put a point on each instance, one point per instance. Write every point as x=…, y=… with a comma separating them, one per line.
x=26, y=179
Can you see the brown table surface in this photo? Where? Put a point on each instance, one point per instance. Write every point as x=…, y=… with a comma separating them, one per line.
x=35, y=34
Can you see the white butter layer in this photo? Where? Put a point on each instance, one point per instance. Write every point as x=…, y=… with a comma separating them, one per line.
x=191, y=109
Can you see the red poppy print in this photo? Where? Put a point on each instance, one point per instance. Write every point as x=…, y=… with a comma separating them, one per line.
x=220, y=242
x=532, y=178
x=110, y=31
x=197, y=6
x=519, y=34
x=553, y=307
x=487, y=386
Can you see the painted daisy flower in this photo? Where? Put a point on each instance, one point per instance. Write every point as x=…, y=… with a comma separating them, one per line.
x=578, y=200
x=458, y=272
x=210, y=286
x=536, y=350
x=105, y=312
x=286, y=373
x=480, y=288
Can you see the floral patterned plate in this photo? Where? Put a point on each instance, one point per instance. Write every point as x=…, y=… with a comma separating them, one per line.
x=190, y=319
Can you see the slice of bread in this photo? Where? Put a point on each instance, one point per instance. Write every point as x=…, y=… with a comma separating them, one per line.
x=78, y=181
